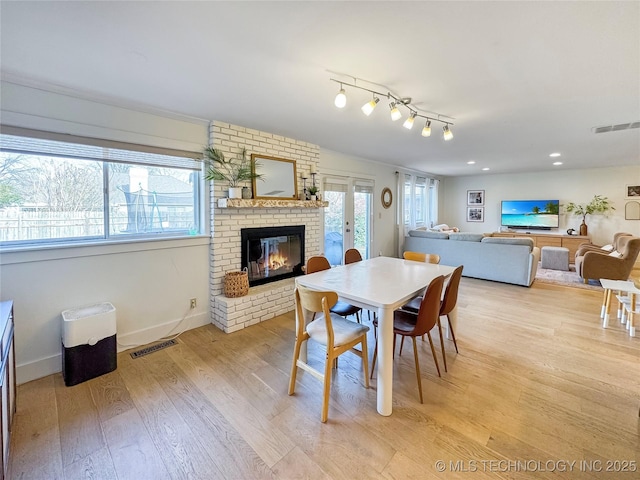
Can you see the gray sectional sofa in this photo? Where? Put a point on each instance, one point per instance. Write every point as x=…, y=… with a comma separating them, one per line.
x=508, y=260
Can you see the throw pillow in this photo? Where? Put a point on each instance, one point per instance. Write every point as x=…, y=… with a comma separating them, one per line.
x=607, y=248
x=615, y=254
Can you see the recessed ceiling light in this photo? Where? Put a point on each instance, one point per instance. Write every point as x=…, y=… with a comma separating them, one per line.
x=486, y=168
x=554, y=154
x=471, y=162
x=557, y=163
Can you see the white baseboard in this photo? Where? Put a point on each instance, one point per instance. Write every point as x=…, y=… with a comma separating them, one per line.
x=153, y=334
x=53, y=364
x=38, y=368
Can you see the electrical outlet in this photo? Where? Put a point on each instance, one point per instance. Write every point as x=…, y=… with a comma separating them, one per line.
x=193, y=304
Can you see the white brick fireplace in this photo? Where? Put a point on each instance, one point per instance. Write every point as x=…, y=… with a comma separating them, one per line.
x=265, y=301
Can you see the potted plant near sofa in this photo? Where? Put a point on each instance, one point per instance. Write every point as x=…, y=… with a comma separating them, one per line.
x=233, y=171
x=598, y=204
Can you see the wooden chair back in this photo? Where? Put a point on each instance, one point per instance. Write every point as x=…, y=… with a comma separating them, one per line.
x=352, y=256
x=317, y=264
x=315, y=301
x=422, y=257
x=429, y=308
x=451, y=292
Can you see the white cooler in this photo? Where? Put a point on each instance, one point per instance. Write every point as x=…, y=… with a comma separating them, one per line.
x=89, y=342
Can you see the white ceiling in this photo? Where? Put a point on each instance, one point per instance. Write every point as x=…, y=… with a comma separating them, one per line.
x=521, y=79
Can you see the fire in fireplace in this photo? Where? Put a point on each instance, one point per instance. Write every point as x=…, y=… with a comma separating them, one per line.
x=272, y=253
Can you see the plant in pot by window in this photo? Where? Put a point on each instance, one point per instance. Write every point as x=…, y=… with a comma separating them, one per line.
x=233, y=171
x=598, y=204
x=312, y=191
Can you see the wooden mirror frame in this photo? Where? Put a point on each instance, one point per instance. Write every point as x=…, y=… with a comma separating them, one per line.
x=387, y=197
x=278, y=179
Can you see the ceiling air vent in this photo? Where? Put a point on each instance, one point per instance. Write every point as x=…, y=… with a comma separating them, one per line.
x=615, y=128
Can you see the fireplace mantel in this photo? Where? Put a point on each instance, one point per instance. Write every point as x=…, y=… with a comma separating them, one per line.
x=269, y=203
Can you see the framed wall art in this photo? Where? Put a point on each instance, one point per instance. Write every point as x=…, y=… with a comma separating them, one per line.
x=633, y=191
x=475, y=214
x=475, y=197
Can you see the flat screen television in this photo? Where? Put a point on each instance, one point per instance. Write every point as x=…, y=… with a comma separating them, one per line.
x=538, y=214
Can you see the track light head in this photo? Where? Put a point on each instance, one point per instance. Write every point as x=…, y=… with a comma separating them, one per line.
x=395, y=113
x=447, y=135
x=408, y=123
x=426, y=131
x=368, y=107
x=341, y=98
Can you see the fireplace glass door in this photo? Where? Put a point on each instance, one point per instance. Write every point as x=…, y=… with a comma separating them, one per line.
x=272, y=253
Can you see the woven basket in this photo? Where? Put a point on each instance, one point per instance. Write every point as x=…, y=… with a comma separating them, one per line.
x=236, y=284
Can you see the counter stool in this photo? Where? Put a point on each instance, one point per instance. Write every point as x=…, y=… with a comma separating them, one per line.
x=555, y=258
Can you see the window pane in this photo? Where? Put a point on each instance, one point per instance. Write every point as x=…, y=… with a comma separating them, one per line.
x=333, y=225
x=49, y=198
x=151, y=200
x=362, y=216
x=407, y=203
x=420, y=204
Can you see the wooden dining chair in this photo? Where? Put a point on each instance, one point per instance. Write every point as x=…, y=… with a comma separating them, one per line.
x=318, y=263
x=422, y=257
x=449, y=301
x=352, y=255
x=336, y=333
x=410, y=324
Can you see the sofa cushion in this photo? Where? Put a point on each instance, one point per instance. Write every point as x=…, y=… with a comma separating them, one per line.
x=466, y=237
x=510, y=241
x=427, y=234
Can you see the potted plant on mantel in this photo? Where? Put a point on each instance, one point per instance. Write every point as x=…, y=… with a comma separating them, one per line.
x=233, y=171
x=312, y=191
x=598, y=204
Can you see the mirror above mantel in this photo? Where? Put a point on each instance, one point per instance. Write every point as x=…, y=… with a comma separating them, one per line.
x=278, y=179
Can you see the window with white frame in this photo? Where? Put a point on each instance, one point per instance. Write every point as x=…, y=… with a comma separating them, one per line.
x=420, y=203
x=59, y=188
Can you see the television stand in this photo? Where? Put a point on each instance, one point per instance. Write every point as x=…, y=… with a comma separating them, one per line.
x=572, y=242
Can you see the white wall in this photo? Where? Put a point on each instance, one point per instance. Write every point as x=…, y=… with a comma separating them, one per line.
x=150, y=283
x=384, y=223
x=578, y=186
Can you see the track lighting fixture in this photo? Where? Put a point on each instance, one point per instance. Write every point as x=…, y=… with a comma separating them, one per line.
x=396, y=104
x=408, y=123
x=368, y=107
x=341, y=98
x=447, y=135
x=395, y=113
x=426, y=131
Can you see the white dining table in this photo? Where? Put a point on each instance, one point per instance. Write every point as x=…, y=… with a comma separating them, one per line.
x=380, y=284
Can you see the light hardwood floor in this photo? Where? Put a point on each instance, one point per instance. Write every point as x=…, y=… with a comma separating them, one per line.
x=537, y=380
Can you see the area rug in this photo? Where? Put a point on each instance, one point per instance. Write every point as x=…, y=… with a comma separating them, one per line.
x=560, y=277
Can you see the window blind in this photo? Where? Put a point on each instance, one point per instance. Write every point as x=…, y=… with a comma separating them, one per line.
x=36, y=142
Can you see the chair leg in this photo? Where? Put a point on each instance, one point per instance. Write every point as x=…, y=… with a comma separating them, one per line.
x=433, y=352
x=401, y=345
x=453, y=335
x=294, y=367
x=373, y=362
x=358, y=317
x=415, y=356
x=327, y=388
x=365, y=360
x=444, y=356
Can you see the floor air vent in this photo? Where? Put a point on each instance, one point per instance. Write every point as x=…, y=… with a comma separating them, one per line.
x=153, y=348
